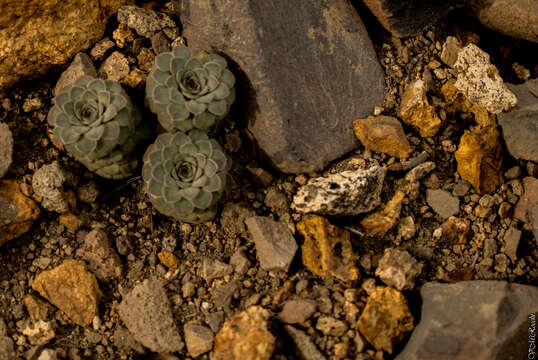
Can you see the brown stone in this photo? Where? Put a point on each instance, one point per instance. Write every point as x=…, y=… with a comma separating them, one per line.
x=17, y=212
x=37, y=308
x=36, y=35
x=456, y=229
x=168, y=259
x=417, y=112
x=102, y=259
x=383, y=134
x=385, y=320
x=379, y=223
x=72, y=288
x=479, y=158
x=135, y=79
x=245, y=337
x=457, y=102
x=528, y=200
x=71, y=221
x=327, y=250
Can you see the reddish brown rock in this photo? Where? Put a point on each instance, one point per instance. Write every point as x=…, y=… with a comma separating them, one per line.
x=383, y=134
x=528, y=200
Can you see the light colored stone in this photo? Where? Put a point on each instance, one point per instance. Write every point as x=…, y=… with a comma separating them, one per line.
x=383, y=134
x=416, y=111
x=6, y=149
x=398, y=269
x=146, y=22
x=331, y=326
x=39, y=332
x=214, y=269
x=443, y=203
x=450, y=51
x=382, y=221
x=407, y=228
x=198, y=338
x=101, y=48
x=456, y=102
x=80, y=66
x=115, y=67
x=48, y=354
x=456, y=229
x=101, y=256
x=47, y=183
x=479, y=80
x=343, y=194
x=297, y=311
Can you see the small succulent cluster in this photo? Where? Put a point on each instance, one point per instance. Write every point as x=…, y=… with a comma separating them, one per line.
x=97, y=123
x=185, y=171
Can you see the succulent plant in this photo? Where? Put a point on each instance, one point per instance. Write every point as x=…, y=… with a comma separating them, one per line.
x=186, y=175
x=97, y=124
x=190, y=91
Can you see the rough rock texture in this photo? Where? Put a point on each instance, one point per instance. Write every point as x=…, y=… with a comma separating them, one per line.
x=480, y=81
x=450, y=50
x=17, y=212
x=115, y=67
x=385, y=320
x=533, y=218
x=101, y=257
x=146, y=312
x=306, y=349
x=346, y=193
x=453, y=315
x=457, y=102
x=146, y=22
x=416, y=111
x=36, y=35
x=7, y=350
x=518, y=18
x=383, y=134
x=511, y=242
x=6, y=149
x=199, y=339
x=72, y=288
x=409, y=17
x=321, y=47
x=327, y=250
x=245, y=337
x=398, y=269
x=47, y=183
x=297, y=311
x=528, y=200
x=275, y=245
x=443, y=203
x=380, y=222
x=520, y=124
x=80, y=66
x=479, y=159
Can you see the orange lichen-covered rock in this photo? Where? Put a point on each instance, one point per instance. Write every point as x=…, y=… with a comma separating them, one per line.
x=417, y=112
x=379, y=223
x=456, y=101
x=383, y=134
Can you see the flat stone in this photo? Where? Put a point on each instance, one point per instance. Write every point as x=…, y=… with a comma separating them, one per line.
x=385, y=320
x=146, y=312
x=71, y=288
x=304, y=346
x=102, y=259
x=17, y=212
x=199, y=339
x=409, y=17
x=302, y=127
x=528, y=200
x=125, y=341
x=6, y=149
x=398, y=269
x=520, y=124
x=115, y=67
x=245, y=336
x=80, y=66
x=215, y=320
x=480, y=81
x=47, y=183
x=214, y=269
x=416, y=111
x=453, y=314
x=443, y=203
x=517, y=18
x=346, y=193
x=327, y=250
x=147, y=22
x=383, y=134
x=38, y=35
x=297, y=311
x=479, y=159
x=511, y=242
x=275, y=245
x=382, y=221
x=240, y=262
x=100, y=49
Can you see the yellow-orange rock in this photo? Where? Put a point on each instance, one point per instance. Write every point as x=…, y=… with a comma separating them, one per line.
x=36, y=35
x=72, y=288
x=71, y=221
x=245, y=337
x=479, y=158
x=383, y=134
x=379, y=223
x=17, y=212
x=417, y=112
x=327, y=250
x=456, y=101
x=386, y=319
x=168, y=259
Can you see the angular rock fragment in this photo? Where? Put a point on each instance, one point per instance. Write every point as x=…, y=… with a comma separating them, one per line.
x=443, y=203
x=453, y=314
x=214, y=269
x=380, y=222
x=528, y=200
x=383, y=134
x=198, y=338
x=416, y=111
x=47, y=183
x=398, y=269
x=71, y=288
x=327, y=250
x=115, y=67
x=80, y=66
x=6, y=149
x=533, y=218
x=147, y=22
x=450, y=51
x=245, y=336
x=168, y=259
x=327, y=55
x=146, y=312
x=39, y=332
x=297, y=311
x=306, y=349
x=479, y=80
x=511, y=242
x=17, y=212
x=275, y=245
x=457, y=102
x=343, y=194
x=331, y=326
x=456, y=229
x=101, y=257
x=479, y=159
x=100, y=49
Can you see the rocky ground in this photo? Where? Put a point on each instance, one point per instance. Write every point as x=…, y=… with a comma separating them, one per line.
x=94, y=272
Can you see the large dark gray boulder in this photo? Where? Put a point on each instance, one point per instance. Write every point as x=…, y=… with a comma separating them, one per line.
x=476, y=320
x=306, y=70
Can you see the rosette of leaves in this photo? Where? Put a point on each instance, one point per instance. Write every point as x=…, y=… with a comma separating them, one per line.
x=186, y=175
x=96, y=123
x=190, y=91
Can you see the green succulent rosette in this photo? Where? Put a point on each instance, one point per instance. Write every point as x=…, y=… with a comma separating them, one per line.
x=190, y=91
x=186, y=175
x=97, y=124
